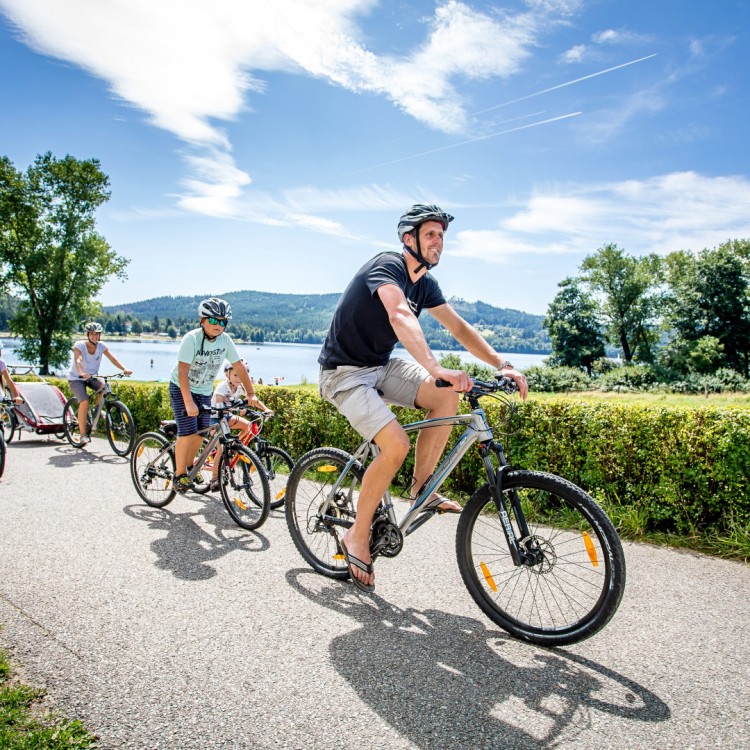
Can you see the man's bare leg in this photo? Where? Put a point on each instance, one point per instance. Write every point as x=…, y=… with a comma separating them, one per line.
x=431, y=442
x=393, y=443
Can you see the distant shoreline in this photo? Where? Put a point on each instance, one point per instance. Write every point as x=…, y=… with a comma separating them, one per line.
x=150, y=339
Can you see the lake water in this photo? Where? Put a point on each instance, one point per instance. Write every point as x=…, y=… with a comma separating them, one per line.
x=291, y=363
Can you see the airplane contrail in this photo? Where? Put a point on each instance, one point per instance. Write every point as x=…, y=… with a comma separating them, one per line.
x=463, y=143
x=563, y=85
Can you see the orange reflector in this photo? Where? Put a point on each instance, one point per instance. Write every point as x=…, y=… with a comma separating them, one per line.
x=590, y=549
x=140, y=450
x=239, y=502
x=327, y=468
x=112, y=434
x=339, y=556
x=244, y=458
x=488, y=576
x=281, y=494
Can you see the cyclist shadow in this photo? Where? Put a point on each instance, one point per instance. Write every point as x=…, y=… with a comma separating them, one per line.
x=66, y=456
x=445, y=680
x=187, y=549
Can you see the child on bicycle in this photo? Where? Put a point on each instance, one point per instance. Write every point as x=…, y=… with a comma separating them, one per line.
x=87, y=358
x=8, y=381
x=229, y=392
x=202, y=351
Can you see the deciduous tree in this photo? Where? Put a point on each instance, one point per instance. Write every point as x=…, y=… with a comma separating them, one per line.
x=51, y=255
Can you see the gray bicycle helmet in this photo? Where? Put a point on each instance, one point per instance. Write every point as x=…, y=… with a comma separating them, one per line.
x=213, y=307
x=418, y=214
x=94, y=327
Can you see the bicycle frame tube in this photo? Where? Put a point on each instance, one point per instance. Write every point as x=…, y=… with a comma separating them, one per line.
x=476, y=429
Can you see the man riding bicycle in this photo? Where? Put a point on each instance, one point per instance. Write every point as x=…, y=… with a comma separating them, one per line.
x=87, y=358
x=378, y=309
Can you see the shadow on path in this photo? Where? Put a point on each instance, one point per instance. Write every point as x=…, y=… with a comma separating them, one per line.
x=443, y=680
x=187, y=548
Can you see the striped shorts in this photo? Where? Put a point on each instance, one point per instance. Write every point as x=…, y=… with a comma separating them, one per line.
x=187, y=425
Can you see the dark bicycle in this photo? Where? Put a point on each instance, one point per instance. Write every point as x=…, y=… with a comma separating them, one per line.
x=242, y=479
x=118, y=421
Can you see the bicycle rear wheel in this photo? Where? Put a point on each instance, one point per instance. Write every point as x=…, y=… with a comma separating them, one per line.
x=70, y=422
x=152, y=469
x=2, y=454
x=120, y=428
x=313, y=508
x=244, y=486
x=8, y=423
x=575, y=584
x=278, y=465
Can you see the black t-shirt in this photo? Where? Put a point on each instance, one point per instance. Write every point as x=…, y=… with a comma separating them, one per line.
x=360, y=332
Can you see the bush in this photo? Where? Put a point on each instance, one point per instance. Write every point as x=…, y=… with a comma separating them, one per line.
x=557, y=379
x=655, y=469
x=627, y=378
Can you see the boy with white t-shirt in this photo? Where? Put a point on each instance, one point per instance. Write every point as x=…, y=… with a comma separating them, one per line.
x=191, y=384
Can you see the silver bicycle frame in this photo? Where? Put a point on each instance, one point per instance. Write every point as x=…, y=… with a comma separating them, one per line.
x=477, y=429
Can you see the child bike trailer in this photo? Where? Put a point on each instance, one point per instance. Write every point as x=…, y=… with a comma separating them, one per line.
x=42, y=409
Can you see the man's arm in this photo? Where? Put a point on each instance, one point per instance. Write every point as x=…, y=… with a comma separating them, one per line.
x=474, y=342
x=406, y=327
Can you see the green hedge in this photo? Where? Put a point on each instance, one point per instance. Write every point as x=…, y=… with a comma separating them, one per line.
x=655, y=469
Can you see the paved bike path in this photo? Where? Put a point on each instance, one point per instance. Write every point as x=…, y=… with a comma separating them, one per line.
x=175, y=629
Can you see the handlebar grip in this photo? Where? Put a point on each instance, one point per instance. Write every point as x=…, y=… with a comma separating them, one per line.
x=440, y=383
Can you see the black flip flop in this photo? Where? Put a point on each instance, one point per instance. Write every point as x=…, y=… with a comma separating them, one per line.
x=351, y=560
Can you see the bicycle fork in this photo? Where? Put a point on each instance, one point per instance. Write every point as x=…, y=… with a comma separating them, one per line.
x=520, y=552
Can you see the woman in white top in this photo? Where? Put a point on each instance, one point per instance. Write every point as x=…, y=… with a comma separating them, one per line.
x=87, y=357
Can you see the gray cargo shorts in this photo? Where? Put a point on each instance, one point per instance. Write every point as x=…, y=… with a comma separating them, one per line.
x=362, y=394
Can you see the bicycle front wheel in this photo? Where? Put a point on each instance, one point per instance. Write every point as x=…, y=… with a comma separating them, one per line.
x=120, y=428
x=278, y=465
x=2, y=454
x=244, y=486
x=7, y=422
x=321, y=503
x=152, y=469
x=573, y=580
x=70, y=422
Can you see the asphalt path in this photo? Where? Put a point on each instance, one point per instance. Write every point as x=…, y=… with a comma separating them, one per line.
x=175, y=629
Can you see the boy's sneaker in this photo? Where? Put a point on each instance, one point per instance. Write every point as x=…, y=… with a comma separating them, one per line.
x=198, y=478
x=182, y=484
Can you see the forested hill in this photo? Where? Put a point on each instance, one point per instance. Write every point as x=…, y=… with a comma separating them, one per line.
x=304, y=319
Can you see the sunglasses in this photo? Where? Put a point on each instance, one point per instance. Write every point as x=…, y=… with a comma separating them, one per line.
x=218, y=322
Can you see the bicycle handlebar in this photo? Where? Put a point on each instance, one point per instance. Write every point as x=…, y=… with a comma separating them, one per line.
x=482, y=388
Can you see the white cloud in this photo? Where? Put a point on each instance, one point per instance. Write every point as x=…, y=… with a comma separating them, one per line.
x=677, y=211
x=190, y=65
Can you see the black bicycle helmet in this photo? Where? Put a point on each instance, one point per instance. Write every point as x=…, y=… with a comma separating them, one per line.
x=418, y=214
x=213, y=307
x=94, y=327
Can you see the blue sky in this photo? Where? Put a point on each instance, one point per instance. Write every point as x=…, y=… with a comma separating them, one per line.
x=273, y=146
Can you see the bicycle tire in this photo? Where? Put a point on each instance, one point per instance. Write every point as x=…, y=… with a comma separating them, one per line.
x=244, y=486
x=278, y=465
x=3, y=451
x=153, y=476
x=308, y=501
x=70, y=422
x=120, y=428
x=575, y=588
x=8, y=423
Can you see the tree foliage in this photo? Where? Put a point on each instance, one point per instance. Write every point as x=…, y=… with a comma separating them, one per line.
x=50, y=252
x=629, y=302
x=574, y=324
x=707, y=308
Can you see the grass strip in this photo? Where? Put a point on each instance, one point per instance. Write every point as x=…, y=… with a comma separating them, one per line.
x=26, y=726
